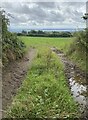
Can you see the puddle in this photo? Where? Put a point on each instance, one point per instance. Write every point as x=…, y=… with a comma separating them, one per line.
x=77, y=91
x=76, y=81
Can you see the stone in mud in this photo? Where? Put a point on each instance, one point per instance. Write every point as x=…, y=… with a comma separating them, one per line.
x=23, y=73
x=17, y=76
x=26, y=59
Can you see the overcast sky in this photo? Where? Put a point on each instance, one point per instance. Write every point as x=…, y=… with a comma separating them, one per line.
x=26, y=15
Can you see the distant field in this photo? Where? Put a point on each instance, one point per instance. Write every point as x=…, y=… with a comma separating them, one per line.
x=61, y=43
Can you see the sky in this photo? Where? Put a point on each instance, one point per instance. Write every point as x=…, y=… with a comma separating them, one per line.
x=45, y=14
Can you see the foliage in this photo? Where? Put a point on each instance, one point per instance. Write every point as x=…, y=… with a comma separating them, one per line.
x=85, y=17
x=41, y=33
x=12, y=48
x=24, y=32
x=78, y=49
x=44, y=93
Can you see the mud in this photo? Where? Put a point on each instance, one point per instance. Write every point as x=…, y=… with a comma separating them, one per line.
x=77, y=80
x=12, y=77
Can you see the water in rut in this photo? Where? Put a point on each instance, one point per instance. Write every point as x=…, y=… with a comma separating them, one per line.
x=76, y=81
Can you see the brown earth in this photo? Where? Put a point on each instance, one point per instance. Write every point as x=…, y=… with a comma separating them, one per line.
x=72, y=71
x=12, y=77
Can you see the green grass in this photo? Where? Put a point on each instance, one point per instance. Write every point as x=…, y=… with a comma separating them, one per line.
x=60, y=43
x=80, y=60
x=44, y=92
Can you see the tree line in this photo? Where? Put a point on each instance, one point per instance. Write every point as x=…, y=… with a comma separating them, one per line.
x=40, y=33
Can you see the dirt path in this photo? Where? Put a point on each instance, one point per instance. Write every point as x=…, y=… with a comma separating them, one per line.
x=13, y=76
x=77, y=81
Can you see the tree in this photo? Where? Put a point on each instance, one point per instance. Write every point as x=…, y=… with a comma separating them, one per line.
x=24, y=32
x=85, y=17
x=33, y=32
x=5, y=23
x=40, y=32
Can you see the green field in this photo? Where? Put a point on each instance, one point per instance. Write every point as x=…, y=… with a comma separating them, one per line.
x=44, y=92
x=61, y=43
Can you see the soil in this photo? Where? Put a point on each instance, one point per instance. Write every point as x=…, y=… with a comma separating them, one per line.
x=12, y=77
x=70, y=66
x=77, y=81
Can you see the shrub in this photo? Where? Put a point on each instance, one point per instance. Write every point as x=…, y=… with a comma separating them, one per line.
x=12, y=47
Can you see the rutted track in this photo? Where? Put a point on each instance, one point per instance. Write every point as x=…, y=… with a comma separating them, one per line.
x=76, y=80
x=13, y=76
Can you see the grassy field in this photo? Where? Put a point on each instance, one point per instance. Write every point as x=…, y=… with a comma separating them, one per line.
x=44, y=92
x=61, y=43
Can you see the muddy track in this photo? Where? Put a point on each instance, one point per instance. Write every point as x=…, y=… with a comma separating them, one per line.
x=77, y=81
x=12, y=77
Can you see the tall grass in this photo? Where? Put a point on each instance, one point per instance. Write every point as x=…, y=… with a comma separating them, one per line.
x=78, y=50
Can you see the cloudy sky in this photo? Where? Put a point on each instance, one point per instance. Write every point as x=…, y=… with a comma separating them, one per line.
x=31, y=15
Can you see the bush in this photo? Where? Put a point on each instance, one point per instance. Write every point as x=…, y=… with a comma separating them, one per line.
x=81, y=43
x=78, y=49
x=12, y=47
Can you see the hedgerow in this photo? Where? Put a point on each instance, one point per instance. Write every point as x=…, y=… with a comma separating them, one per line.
x=12, y=47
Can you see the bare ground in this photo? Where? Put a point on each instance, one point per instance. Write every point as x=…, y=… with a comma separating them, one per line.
x=12, y=77
x=75, y=74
